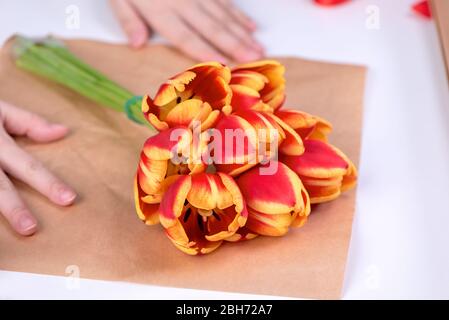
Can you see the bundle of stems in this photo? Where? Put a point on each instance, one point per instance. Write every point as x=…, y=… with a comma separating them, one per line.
x=50, y=58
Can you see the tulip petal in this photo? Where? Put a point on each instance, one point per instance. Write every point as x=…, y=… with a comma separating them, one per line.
x=192, y=244
x=325, y=170
x=207, y=81
x=322, y=182
x=237, y=198
x=264, y=123
x=215, y=90
x=148, y=106
x=156, y=123
x=318, y=161
x=242, y=234
x=350, y=178
x=292, y=144
x=172, y=204
x=203, y=193
x=168, y=91
x=238, y=144
x=156, y=196
x=220, y=197
x=166, y=144
x=268, y=224
x=151, y=113
x=276, y=193
x=300, y=218
x=183, y=113
x=322, y=190
x=273, y=91
x=245, y=98
x=277, y=100
x=321, y=130
x=248, y=78
x=235, y=169
x=206, y=117
x=196, y=163
x=306, y=125
x=223, y=224
x=423, y=8
x=151, y=173
x=319, y=194
x=189, y=235
x=231, y=212
x=146, y=212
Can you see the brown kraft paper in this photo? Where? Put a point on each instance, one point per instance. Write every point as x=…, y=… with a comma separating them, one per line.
x=101, y=233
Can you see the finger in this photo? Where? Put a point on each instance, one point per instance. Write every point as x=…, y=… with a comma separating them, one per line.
x=219, y=36
x=224, y=18
x=23, y=123
x=132, y=23
x=184, y=38
x=13, y=208
x=23, y=166
x=241, y=17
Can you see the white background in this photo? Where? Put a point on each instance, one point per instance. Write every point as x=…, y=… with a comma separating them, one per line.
x=399, y=246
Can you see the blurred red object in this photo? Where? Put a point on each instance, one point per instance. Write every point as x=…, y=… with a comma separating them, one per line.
x=330, y=2
x=423, y=9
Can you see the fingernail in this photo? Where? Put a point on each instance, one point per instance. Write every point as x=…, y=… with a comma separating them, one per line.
x=67, y=196
x=26, y=223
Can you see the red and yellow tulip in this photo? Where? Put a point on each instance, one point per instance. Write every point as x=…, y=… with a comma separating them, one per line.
x=324, y=170
x=199, y=211
x=198, y=94
x=254, y=169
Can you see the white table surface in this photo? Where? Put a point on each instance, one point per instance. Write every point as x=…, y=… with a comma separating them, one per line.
x=399, y=246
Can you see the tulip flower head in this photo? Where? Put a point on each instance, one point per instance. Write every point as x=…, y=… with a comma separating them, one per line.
x=197, y=94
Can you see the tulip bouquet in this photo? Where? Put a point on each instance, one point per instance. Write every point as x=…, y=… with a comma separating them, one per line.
x=228, y=162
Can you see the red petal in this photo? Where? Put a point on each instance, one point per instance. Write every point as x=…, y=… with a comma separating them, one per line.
x=318, y=161
x=238, y=141
x=172, y=203
x=244, y=98
x=268, y=224
x=275, y=192
x=329, y=2
x=165, y=144
x=423, y=8
x=146, y=212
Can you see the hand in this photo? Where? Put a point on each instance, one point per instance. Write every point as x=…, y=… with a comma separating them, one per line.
x=16, y=162
x=203, y=29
